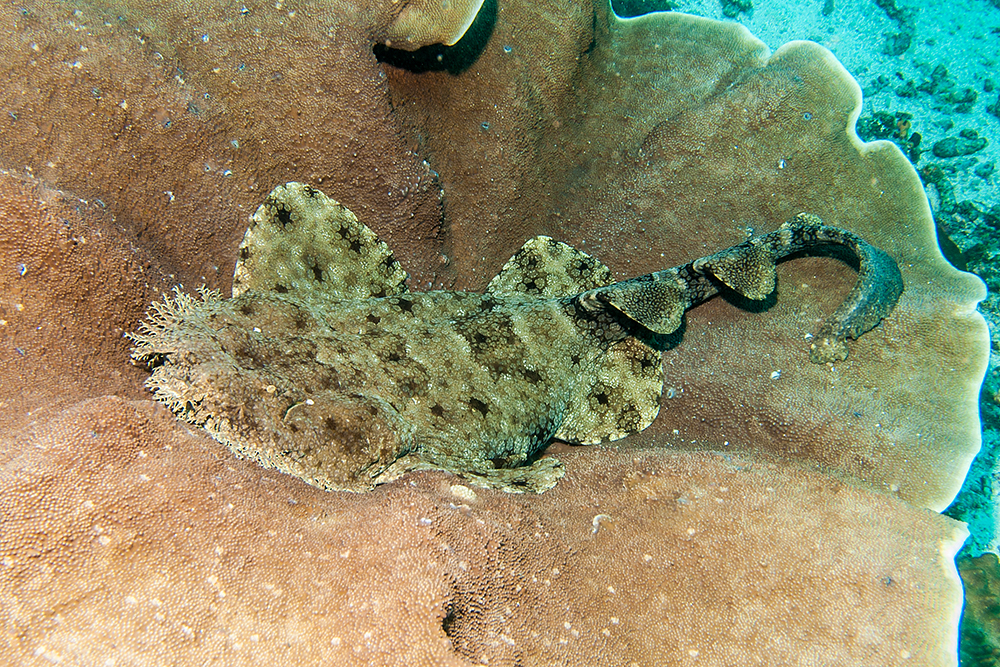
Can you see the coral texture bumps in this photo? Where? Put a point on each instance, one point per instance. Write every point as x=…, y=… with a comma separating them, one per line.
x=137, y=141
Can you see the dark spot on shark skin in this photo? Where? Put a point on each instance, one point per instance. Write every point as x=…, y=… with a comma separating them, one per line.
x=284, y=216
x=479, y=406
x=348, y=380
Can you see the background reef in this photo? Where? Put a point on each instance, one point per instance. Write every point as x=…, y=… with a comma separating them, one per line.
x=788, y=500
x=928, y=75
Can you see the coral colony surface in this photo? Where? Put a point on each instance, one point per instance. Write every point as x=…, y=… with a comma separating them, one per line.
x=756, y=489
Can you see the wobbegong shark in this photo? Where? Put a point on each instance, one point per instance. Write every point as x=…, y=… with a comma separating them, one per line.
x=324, y=366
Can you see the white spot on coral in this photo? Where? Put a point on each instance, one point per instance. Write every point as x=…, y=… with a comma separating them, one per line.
x=463, y=492
x=596, y=522
x=48, y=656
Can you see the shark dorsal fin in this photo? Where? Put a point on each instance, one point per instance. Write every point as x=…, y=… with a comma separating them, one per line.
x=300, y=240
x=551, y=269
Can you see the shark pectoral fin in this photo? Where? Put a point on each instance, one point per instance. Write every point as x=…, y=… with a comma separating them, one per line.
x=655, y=304
x=747, y=268
x=348, y=443
x=621, y=397
x=301, y=241
x=535, y=477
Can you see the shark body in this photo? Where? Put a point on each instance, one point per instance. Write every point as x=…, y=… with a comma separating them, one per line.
x=324, y=366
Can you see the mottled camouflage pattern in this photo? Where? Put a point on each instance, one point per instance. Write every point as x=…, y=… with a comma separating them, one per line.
x=323, y=365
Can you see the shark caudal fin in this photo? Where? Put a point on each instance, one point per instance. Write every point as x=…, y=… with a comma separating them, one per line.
x=656, y=302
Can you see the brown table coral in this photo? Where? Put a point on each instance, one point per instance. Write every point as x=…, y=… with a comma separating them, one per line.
x=153, y=547
x=137, y=139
